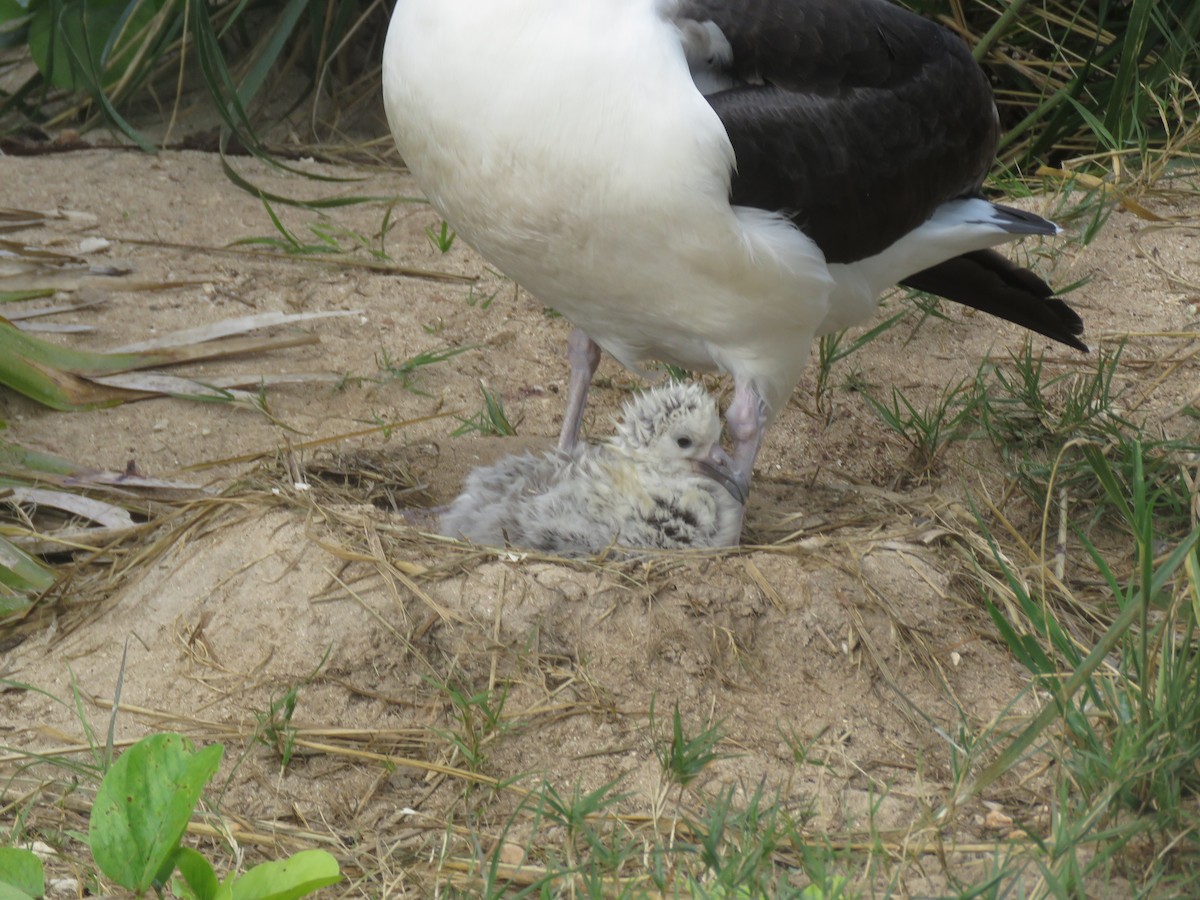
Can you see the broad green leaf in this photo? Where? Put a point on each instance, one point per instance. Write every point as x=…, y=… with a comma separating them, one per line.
x=198, y=873
x=287, y=879
x=72, y=42
x=143, y=807
x=21, y=873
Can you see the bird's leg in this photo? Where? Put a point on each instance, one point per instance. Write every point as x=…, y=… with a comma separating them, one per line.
x=746, y=420
x=584, y=355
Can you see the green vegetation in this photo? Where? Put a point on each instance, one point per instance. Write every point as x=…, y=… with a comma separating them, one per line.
x=405, y=371
x=1079, y=80
x=1105, y=79
x=442, y=240
x=328, y=238
x=491, y=420
x=478, y=720
x=142, y=808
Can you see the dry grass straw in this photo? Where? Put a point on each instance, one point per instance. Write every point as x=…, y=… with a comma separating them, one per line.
x=343, y=489
x=465, y=821
x=402, y=849
x=344, y=261
x=464, y=817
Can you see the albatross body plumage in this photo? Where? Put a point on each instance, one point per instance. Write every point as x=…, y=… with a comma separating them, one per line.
x=710, y=183
x=663, y=481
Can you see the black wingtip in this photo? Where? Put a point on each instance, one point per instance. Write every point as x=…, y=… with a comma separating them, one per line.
x=1072, y=325
x=987, y=281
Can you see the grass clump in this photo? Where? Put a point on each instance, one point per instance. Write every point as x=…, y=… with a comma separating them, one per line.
x=1121, y=724
x=1077, y=80
x=102, y=62
x=405, y=371
x=478, y=720
x=931, y=428
x=1048, y=428
x=733, y=842
x=491, y=420
x=683, y=758
x=442, y=239
x=328, y=237
x=275, y=727
x=1071, y=81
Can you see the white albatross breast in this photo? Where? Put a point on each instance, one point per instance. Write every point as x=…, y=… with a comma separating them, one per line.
x=661, y=482
x=710, y=183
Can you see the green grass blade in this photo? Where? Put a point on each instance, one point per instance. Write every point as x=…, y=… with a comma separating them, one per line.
x=231, y=100
x=89, y=67
x=314, y=203
x=20, y=572
x=283, y=24
x=1098, y=128
x=17, y=296
x=46, y=385
x=16, y=343
x=18, y=460
x=1133, y=48
x=998, y=30
x=1113, y=488
x=219, y=80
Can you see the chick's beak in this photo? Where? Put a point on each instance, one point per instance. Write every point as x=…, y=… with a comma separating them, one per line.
x=718, y=466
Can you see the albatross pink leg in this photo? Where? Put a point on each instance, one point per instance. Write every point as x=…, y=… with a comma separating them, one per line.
x=746, y=420
x=584, y=355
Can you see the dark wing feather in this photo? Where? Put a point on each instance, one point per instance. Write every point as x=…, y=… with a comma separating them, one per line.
x=986, y=281
x=855, y=118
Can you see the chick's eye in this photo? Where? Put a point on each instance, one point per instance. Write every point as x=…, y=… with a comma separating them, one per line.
x=683, y=442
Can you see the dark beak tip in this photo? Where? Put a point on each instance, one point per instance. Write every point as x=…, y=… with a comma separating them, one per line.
x=732, y=484
x=740, y=492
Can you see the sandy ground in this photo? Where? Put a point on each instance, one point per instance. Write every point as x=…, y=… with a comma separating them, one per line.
x=856, y=629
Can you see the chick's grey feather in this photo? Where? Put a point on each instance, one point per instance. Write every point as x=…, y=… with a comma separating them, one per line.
x=640, y=489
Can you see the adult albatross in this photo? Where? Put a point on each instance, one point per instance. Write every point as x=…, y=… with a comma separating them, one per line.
x=710, y=183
